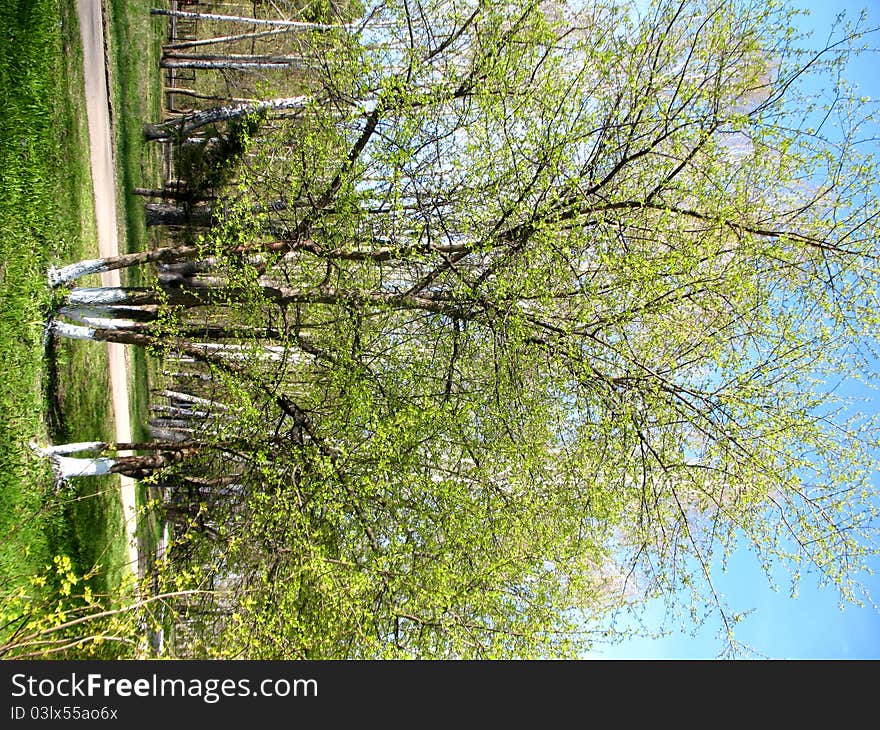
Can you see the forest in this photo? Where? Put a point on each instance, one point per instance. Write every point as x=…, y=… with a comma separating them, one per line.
x=474, y=324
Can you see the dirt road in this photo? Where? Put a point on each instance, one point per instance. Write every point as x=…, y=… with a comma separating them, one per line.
x=104, y=183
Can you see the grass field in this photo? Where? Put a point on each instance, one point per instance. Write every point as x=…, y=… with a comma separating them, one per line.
x=47, y=217
x=59, y=392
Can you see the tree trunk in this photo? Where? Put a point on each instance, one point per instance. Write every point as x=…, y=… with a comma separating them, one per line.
x=176, y=395
x=204, y=293
x=245, y=19
x=182, y=45
x=187, y=124
x=163, y=411
x=187, y=375
x=176, y=424
x=103, y=317
x=214, y=333
x=165, y=214
x=228, y=60
x=226, y=65
x=132, y=296
x=208, y=97
x=68, y=467
x=140, y=467
x=168, y=434
x=167, y=193
x=71, y=272
x=88, y=447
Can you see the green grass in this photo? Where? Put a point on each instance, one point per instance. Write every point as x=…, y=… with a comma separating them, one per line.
x=47, y=217
x=39, y=222
x=95, y=532
x=134, y=46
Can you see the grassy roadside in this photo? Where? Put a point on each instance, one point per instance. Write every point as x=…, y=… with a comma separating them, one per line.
x=134, y=40
x=57, y=393
x=94, y=531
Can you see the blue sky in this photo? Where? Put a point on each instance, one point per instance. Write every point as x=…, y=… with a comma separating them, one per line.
x=813, y=625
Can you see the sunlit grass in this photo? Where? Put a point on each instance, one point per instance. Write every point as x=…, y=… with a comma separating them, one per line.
x=59, y=391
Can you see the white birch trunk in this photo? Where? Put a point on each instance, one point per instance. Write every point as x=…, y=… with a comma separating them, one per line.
x=178, y=412
x=95, y=317
x=187, y=124
x=67, y=467
x=250, y=21
x=90, y=296
x=72, y=331
x=57, y=276
x=90, y=447
x=231, y=65
x=176, y=395
x=181, y=45
x=168, y=434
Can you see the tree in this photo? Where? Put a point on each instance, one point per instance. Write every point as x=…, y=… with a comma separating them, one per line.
x=187, y=124
x=554, y=295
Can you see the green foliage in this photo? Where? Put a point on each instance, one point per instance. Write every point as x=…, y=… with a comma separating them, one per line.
x=542, y=322
x=57, y=615
x=208, y=167
x=617, y=371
